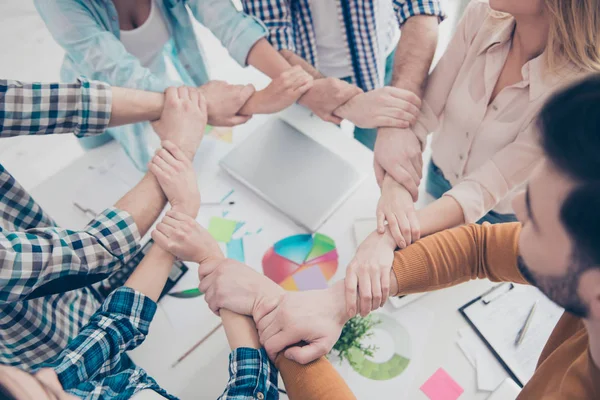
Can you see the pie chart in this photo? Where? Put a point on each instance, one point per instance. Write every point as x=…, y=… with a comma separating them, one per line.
x=301, y=262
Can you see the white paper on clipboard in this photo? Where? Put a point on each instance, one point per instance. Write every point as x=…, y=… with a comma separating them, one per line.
x=500, y=320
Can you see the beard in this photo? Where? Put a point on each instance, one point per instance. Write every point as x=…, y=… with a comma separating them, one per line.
x=562, y=290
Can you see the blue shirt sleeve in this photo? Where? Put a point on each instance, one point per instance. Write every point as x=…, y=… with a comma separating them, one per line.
x=121, y=324
x=409, y=8
x=251, y=376
x=277, y=17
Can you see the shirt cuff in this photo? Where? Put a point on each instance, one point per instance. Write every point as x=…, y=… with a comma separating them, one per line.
x=281, y=36
x=117, y=232
x=407, y=9
x=252, y=30
x=251, y=373
x=133, y=305
x=412, y=270
x=94, y=108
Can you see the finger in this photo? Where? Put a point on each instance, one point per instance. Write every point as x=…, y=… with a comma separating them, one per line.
x=379, y=172
x=160, y=159
x=405, y=95
x=351, y=283
x=167, y=156
x=334, y=119
x=391, y=122
x=183, y=93
x=207, y=279
x=279, y=342
x=380, y=222
x=171, y=94
x=165, y=229
x=160, y=239
x=417, y=163
x=177, y=215
x=157, y=171
x=246, y=93
x=385, y=287
x=404, y=228
x=263, y=321
x=194, y=95
x=306, y=354
x=175, y=151
x=303, y=88
x=364, y=290
x=395, y=230
x=209, y=297
x=415, y=226
x=404, y=178
x=376, y=288
x=172, y=222
x=269, y=332
x=237, y=120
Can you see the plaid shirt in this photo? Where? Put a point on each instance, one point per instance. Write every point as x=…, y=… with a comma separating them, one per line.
x=290, y=26
x=37, y=258
x=95, y=366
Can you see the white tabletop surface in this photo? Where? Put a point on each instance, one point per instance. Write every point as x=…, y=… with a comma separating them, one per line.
x=203, y=374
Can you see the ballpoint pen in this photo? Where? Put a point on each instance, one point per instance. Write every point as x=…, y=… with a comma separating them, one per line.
x=523, y=330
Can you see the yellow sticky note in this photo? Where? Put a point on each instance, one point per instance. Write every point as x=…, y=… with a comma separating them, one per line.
x=221, y=229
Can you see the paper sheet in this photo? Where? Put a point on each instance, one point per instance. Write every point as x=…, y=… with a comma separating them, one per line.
x=441, y=386
x=221, y=229
x=490, y=372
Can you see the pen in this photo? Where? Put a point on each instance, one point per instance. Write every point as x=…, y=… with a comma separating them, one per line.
x=214, y=203
x=194, y=347
x=523, y=330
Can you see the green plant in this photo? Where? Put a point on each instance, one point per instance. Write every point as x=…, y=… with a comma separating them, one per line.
x=356, y=330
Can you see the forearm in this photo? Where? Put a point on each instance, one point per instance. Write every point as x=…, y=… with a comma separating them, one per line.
x=315, y=381
x=240, y=330
x=266, y=59
x=415, y=52
x=131, y=105
x=458, y=255
x=294, y=59
x=144, y=202
x=443, y=213
x=151, y=274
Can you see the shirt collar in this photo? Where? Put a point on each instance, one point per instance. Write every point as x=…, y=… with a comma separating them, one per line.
x=499, y=33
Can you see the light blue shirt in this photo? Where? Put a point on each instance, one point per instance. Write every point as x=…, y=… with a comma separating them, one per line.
x=89, y=32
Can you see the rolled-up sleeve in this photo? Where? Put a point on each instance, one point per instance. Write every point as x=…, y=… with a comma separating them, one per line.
x=40, y=256
x=409, y=8
x=121, y=324
x=82, y=108
x=251, y=376
x=277, y=18
x=480, y=191
x=237, y=31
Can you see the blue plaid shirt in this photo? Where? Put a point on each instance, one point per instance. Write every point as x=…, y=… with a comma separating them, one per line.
x=89, y=32
x=290, y=26
x=95, y=366
x=38, y=260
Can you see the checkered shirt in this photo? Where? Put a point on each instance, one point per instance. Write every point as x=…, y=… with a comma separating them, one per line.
x=251, y=373
x=94, y=364
x=290, y=26
x=38, y=257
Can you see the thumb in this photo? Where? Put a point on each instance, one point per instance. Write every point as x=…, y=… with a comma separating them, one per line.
x=305, y=354
x=246, y=92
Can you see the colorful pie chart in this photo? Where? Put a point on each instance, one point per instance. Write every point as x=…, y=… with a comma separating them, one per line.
x=301, y=262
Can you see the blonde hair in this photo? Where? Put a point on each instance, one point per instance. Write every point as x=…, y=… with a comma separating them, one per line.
x=574, y=34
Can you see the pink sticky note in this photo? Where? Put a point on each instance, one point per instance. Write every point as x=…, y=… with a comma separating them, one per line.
x=441, y=386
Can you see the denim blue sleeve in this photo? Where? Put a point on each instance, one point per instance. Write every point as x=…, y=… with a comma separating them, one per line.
x=98, y=53
x=237, y=31
x=251, y=376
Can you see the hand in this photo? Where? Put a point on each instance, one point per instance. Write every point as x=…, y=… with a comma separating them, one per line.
x=236, y=287
x=370, y=270
x=388, y=106
x=175, y=175
x=328, y=94
x=224, y=101
x=314, y=317
x=398, y=152
x=183, y=119
x=281, y=93
x=186, y=239
x=397, y=208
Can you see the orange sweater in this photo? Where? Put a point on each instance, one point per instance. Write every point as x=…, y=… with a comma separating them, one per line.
x=565, y=370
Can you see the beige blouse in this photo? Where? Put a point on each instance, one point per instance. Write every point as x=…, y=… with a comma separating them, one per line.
x=486, y=151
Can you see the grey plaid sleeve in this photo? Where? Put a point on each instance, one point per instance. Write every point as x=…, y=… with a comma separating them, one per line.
x=40, y=256
x=82, y=108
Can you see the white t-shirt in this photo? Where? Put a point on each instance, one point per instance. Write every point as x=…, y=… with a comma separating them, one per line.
x=333, y=54
x=147, y=40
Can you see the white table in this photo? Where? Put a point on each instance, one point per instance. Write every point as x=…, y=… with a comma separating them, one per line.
x=203, y=374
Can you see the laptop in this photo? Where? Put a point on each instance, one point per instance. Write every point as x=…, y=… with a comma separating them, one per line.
x=294, y=173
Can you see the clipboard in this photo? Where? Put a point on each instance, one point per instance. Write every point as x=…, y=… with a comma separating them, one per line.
x=498, y=314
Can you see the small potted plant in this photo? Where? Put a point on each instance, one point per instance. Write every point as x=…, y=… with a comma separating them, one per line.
x=356, y=330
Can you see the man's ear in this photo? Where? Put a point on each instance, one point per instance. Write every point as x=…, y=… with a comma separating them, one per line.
x=589, y=291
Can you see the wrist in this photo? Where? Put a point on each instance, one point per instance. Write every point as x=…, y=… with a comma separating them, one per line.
x=156, y=103
x=265, y=301
x=337, y=300
x=189, y=208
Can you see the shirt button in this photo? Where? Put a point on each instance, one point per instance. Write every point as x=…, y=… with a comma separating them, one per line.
x=187, y=66
x=461, y=157
x=114, y=18
x=495, y=107
x=456, y=176
x=260, y=396
x=467, y=134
